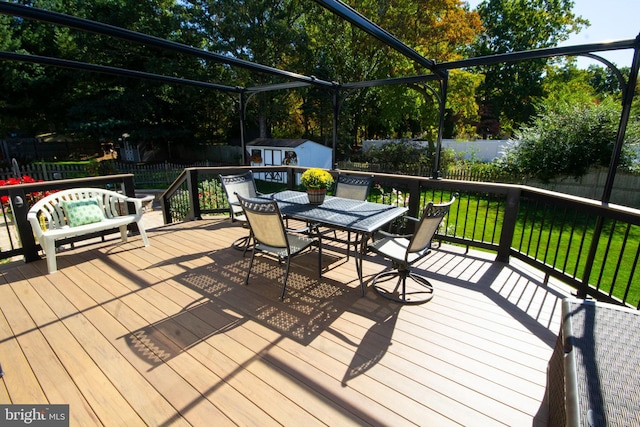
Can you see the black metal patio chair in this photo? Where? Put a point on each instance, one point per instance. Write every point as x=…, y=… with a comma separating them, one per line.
x=354, y=187
x=406, y=250
x=270, y=236
x=244, y=185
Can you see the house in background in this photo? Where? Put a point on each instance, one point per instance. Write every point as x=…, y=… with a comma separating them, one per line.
x=288, y=152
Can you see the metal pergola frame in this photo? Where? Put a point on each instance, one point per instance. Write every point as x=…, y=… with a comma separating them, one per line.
x=440, y=71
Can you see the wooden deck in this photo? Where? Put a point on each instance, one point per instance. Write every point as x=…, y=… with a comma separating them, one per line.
x=169, y=335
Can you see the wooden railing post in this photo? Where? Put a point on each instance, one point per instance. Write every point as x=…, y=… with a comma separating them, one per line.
x=20, y=208
x=128, y=188
x=414, y=204
x=291, y=178
x=509, y=224
x=192, y=185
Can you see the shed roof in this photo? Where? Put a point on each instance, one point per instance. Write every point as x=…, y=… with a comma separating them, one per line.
x=279, y=142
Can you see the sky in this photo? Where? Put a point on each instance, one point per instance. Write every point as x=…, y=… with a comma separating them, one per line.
x=611, y=20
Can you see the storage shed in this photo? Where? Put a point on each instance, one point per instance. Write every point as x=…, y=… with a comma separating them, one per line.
x=294, y=152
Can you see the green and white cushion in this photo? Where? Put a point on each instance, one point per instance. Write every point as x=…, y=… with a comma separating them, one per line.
x=81, y=212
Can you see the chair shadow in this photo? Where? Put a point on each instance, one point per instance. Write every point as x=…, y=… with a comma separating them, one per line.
x=163, y=340
x=376, y=341
x=310, y=304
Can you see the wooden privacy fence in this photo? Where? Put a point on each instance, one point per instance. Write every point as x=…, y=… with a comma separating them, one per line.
x=626, y=189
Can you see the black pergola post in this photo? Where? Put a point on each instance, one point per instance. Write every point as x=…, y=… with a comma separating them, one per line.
x=241, y=112
x=335, y=103
x=629, y=91
x=442, y=102
x=627, y=99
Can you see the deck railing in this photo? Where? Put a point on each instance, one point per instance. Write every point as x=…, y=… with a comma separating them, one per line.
x=591, y=246
x=588, y=245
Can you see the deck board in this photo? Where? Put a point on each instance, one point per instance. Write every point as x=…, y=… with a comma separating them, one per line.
x=169, y=335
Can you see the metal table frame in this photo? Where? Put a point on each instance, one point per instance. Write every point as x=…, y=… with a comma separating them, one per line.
x=361, y=217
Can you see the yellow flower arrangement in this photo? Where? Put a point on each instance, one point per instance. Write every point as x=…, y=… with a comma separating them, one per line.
x=316, y=179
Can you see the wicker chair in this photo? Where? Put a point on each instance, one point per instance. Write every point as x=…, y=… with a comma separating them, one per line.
x=406, y=250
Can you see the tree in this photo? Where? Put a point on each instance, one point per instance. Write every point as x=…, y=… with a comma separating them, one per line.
x=99, y=107
x=303, y=38
x=267, y=32
x=509, y=90
x=438, y=29
x=32, y=98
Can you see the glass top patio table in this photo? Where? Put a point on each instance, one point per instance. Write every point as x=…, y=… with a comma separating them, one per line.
x=358, y=216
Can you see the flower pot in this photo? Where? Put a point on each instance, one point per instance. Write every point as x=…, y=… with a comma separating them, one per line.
x=316, y=196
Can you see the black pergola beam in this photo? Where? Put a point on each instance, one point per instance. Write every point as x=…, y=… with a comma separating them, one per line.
x=351, y=15
x=104, y=69
x=537, y=53
x=13, y=9
x=391, y=81
x=276, y=86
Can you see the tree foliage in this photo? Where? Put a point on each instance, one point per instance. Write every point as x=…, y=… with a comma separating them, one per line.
x=509, y=90
x=100, y=107
x=292, y=35
x=301, y=37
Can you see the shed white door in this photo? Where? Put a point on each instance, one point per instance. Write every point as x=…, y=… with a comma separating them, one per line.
x=272, y=157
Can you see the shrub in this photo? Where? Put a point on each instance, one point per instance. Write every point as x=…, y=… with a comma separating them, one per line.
x=566, y=140
x=404, y=156
x=32, y=198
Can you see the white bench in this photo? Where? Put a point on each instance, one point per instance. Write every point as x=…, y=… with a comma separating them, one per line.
x=81, y=211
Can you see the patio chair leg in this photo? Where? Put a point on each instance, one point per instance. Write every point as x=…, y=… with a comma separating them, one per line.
x=286, y=275
x=246, y=280
x=319, y=258
x=421, y=293
x=246, y=242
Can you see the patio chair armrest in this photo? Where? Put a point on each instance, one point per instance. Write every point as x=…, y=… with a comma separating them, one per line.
x=392, y=235
x=389, y=234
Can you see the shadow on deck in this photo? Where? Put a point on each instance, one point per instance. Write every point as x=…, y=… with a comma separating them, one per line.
x=175, y=324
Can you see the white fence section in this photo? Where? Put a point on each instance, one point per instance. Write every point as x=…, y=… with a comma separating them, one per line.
x=481, y=149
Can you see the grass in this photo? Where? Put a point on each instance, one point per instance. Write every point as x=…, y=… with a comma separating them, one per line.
x=613, y=268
